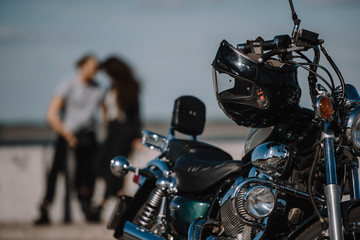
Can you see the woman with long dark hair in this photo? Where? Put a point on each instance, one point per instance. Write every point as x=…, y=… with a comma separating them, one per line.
x=121, y=113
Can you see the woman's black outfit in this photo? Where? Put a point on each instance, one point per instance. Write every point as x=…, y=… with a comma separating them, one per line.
x=118, y=143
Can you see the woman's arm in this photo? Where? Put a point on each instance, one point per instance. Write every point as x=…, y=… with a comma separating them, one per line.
x=104, y=115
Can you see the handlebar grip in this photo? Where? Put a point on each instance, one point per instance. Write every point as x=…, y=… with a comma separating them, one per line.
x=245, y=47
x=279, y=41
x=267, y=45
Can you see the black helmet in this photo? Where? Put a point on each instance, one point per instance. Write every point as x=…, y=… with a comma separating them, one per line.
x=254, y=94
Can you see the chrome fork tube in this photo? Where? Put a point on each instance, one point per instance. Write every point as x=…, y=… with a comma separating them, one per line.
x=332, y=192
x=332, y=189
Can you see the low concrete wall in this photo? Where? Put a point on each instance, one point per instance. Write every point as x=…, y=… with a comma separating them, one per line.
x=22, y=174
x=23, y=177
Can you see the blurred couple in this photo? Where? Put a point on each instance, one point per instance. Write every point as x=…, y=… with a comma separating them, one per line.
x=72, y=114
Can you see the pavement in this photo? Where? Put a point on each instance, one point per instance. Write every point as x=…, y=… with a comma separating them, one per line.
x=58, y=231
x=23, y=228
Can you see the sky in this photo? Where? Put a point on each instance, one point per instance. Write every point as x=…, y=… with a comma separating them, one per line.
x=170, y=44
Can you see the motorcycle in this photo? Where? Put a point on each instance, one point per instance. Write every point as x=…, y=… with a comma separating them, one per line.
x=299, y=177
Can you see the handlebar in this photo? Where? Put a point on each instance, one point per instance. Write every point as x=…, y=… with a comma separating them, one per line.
x=278, y=42
x=266, y=45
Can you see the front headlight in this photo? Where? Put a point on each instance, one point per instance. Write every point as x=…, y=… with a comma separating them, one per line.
x=352, y=122
x=259, y=201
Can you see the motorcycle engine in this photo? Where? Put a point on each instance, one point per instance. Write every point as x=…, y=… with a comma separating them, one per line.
x=232, y=225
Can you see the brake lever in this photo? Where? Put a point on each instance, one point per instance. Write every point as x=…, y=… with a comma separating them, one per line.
x=268, y=55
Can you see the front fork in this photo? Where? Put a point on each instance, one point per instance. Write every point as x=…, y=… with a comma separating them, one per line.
x=332, y=189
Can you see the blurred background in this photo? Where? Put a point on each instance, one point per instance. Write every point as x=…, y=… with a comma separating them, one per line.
x=170, y=44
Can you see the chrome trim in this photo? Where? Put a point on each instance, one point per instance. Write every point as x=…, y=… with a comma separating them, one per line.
x=351, y=117
x=254, y=172
x=153, y=140
x=196, y=227
x=272, y=158
x=333, y=192
x=120, y=166
x=167, y=184
x=135, y=232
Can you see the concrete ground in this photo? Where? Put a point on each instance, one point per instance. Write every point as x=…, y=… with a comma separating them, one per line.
x=77, y=231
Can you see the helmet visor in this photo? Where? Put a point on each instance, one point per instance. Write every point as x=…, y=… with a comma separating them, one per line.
x=232, y=88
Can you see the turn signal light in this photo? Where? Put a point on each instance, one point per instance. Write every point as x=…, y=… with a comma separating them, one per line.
x=325, y=108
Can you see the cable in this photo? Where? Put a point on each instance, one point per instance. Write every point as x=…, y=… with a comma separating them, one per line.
x=303, y=56
x=309, y=70
x=325, y=70
x=336, y=69
x=324, y=224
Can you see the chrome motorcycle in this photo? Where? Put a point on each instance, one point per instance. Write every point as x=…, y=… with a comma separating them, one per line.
x=299, y=177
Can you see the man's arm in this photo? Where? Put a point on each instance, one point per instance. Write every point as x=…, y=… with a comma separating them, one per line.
x=56, y=123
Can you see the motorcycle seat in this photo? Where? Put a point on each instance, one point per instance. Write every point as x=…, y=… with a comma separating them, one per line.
x=198, y=171
x=179, y=147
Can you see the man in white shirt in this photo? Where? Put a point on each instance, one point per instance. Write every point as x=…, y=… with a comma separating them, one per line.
x=71, y=114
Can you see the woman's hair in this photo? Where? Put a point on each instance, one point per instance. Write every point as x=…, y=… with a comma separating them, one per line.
x=79, y=63
x=123, y=81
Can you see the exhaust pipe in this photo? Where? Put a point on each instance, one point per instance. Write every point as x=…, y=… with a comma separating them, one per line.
x=135, y=232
